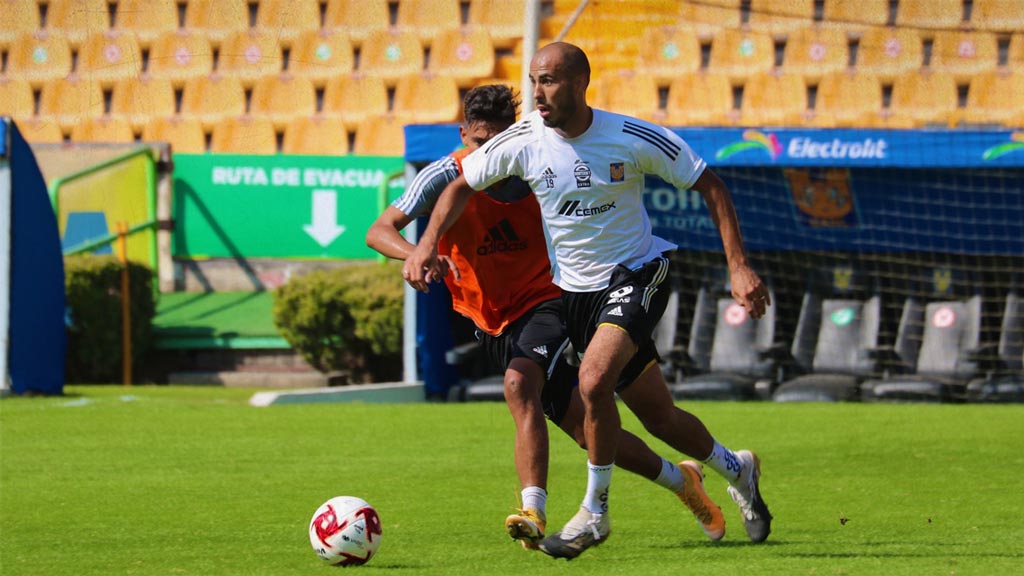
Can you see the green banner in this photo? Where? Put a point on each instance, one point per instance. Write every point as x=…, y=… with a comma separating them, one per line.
x=231, y=206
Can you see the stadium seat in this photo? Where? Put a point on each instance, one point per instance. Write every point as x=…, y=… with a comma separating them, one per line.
x=280, y=98
x=503, y=20
x=814, y=52
x=964, y=54
x=428, y=20
x=354, y=98
x=321, y=55
x=244, y=135
x=773, y=99
x=628, y=92
x=147, y=19
x=250, y=55
x=508, y=67
x=382, y=135
x=315, y=135
x=667, y=52
x=1015, y=52
x=930, y=15
x=847, y=99
x=993, y=98
x=217, y=19
x=890, y=52
x=707, y=17
x=855, y=17
x=180, y=56
x=288, y=19
x=700, y=99
x=923, y=98
x=70, y=100
x=1005, y=382
x=997, y=15
x=38, y=58
x=739, y=54
x=138, y=100
x=780, y=17
x=465, y=54
x=357, y=18
x=107, y=57
x=427, y=99
x=210, y=98
x=102, y=130
x=185, y=135
x=391, y=54
x=77, y=19
x=16, y=98
x=21, y=17
x=37, y=131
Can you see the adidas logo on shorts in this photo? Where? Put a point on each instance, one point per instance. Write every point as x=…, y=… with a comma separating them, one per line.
x=617, y=311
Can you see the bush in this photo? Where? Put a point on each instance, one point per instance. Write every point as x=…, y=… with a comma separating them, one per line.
x=93, y=288
x=347, y=319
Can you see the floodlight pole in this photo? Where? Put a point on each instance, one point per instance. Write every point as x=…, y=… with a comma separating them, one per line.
x=531, y=31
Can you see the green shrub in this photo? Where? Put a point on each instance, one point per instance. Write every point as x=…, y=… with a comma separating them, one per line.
x=93, y=288
x=347, y=319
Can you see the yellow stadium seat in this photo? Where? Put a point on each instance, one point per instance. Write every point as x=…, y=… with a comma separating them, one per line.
x=780, y=17
x=382, y=135
x=503, y=20
x=1015, y=54
x=20, y=17
x=288, y=19
x=108, y=57
x=355, y=97
x=76, y=19
x=890, y=52
x=993, y=98
x=508, y=67
x=35, y=130
x=813, y=52
x=631, y=93
x=391, y=54
x=102, y=130
x=667, y=52
x=185, y=135
x=929, y=15
x=211, y=98
x=244, y=135
x=997, y=15
x=71, y=100
x=321, y=55
x=140, y=99
x=179, y=56
x=315, y=135
x=923, y=98
x=39, y=58
x=855, y=17
x=464, y=54
x=739, y=54
x=426, y=99
x=250, y=55
x=282, y=97
x=16, y=99
x=428, y=19
x=217, y=19
x=148, y=19
x=965, y=54
x=847, y=99
x=699, y=99
x=773, y=99
x=707, y=17
x=357, y=18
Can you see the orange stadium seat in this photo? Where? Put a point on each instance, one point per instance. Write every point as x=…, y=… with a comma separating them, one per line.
x=428, y=20
x=282, y=97
x=997, y=15
x=847, y=99
x=382, y=135
x=355, y=97
x=16, y=98
x=699, y=99
x=427, y=99
x=922, y=98
x=464, y=54
x=288, y=19
x=994, y=98
x=854, y=17
x=780, y=17
x=102, y=130
x=890, y=52
x=148, y=19
x=321, y=55
x=357, y=18
x=244, y=135
x=1015, y=53
x=210, y=98
x=773, y=99
x=20, y=17
x=109, y=56
x=503, y=20
x=140, y=99
x=508, y=67
x=39, y=131
x=179, y=56
x=315, y=135
x=250, y=55
x=76, y=19
x=38, y=58
x=391, y=54
x=631, y=93
x=930, y=15
x=185, y=135
x=813, y=52
x=70, y=100
x=707, y=17
x=965, y=54
x=667, y=52
x=218, y=19
x=739, y=54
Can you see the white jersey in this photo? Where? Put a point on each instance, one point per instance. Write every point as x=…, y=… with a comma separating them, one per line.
x=590, y=189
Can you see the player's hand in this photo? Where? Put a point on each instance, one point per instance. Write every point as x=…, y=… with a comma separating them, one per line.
x=749, y=291
x=447, y=264
x=418, y=266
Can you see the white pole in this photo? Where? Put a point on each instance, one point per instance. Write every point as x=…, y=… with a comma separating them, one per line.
x=5, y=257
x=409, y=371
x=531, y=30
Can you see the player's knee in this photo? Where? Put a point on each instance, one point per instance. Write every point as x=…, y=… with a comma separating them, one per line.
x=519, y=389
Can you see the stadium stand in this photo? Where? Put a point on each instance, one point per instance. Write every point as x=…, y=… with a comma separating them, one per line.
x=288, y=19
x=244, y=135
x=179, y=56
x=465, y=54
x=280, y=97
x=997, y=15
x=428, y=20
x=426, y=99
x=929, y=15
x=103, y=129
x=707, y=17
x=391, y=54
x=315, y=135
x=357, y=18
x=16, y=98
x=355, y=97
x=847, y=99
x=964, y=54
x=993, y=98
x=70, y=100
x=890, y=52
x=627, y=92
x=321, y=55
x=739, y=54
x=218, y=19
x=502, y=20
x=39, y=58
x=20, y=17
x=700, y=99
x=922, y=98
x=814, y=52
x=40, y=131
x=250, y=55
x=107, y=57
x=854, y=17
x=380, y=135
x=1015, y=52
x=773, y=99
x=140, y=99
x=211, y=98
x=780, y=17
x=147, y=19
x=77, y=19
x=667, y=52
x=185, y=135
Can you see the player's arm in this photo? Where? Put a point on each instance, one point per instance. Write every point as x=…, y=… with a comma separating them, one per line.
x=421, y=266
x=384, y=234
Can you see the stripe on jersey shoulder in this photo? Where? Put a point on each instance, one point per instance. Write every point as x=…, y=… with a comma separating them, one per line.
x=515, y=131
x=670, y=148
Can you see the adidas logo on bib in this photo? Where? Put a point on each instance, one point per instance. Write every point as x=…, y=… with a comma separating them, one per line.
x=542, y=350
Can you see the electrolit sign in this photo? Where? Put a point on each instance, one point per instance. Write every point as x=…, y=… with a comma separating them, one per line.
x=837, y=149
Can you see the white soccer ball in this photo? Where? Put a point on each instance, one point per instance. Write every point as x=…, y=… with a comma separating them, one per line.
x=345, y=531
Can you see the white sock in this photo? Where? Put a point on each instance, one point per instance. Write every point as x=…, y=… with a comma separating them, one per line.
x=725, y=462
x=599, y=478
x=535, y=498
x=670, y=477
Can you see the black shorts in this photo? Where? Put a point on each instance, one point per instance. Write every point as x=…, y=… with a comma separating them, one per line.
x=634, y=301
x=540, y=336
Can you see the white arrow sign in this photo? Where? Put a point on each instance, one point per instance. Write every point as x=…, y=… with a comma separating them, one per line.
x=324, y=228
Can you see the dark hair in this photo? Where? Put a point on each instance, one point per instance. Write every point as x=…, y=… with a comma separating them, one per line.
x=490, y=103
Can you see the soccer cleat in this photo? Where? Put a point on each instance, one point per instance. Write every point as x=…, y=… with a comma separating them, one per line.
x=527, y=526
x=747, y=494
x=708, y=514
x=585, y=530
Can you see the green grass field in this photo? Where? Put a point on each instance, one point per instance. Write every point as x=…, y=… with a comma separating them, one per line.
x=171, y=480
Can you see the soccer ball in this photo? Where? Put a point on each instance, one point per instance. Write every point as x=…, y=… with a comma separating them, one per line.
x=345, y=531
